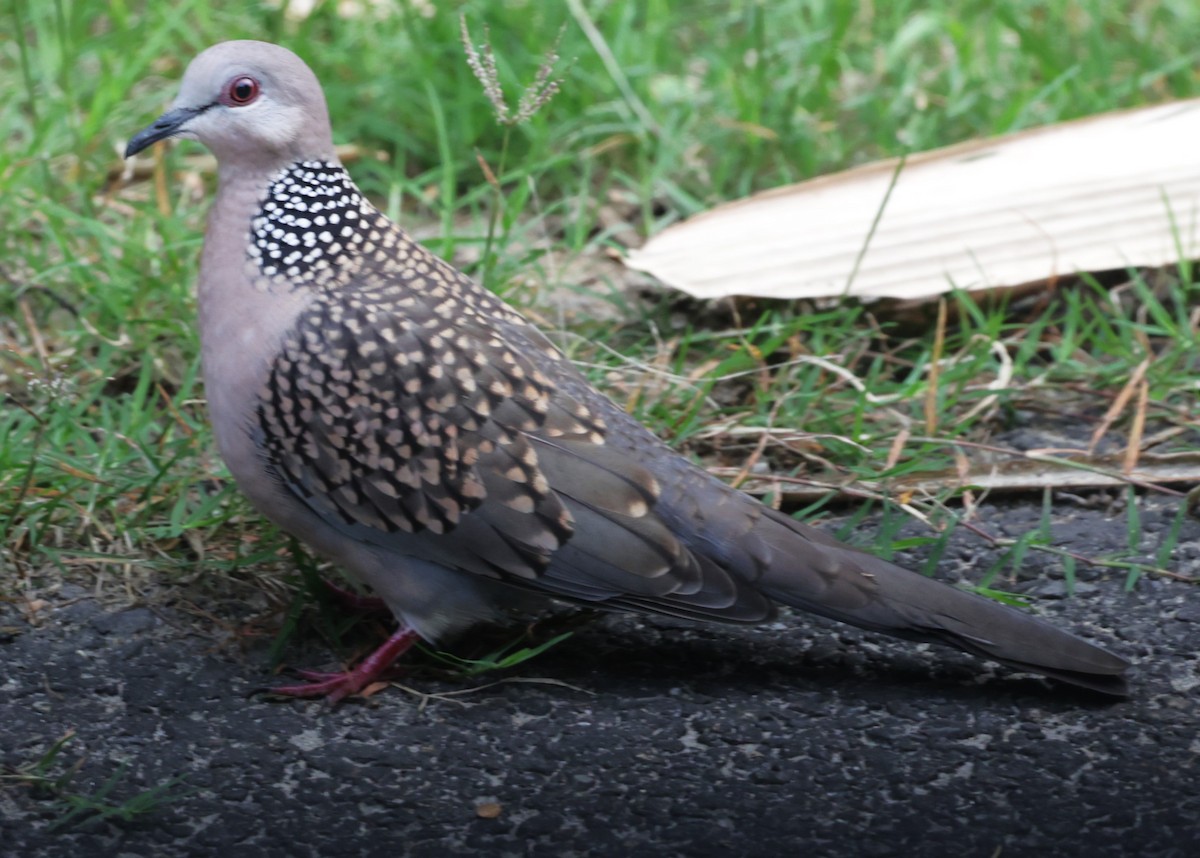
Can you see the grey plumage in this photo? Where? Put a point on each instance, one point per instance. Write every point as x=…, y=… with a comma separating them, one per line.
x=378, y=404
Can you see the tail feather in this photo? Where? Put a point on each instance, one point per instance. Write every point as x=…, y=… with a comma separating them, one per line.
x=835, y=581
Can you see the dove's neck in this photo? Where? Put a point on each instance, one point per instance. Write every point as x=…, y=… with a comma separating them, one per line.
x=244, y=315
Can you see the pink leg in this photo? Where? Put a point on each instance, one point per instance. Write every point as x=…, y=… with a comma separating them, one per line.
x=336, y=686
x=355, y=603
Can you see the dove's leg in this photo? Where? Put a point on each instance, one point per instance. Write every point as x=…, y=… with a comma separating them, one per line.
x=339, y=685
x=355, y=603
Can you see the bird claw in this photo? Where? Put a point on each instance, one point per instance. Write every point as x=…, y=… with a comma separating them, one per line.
x=335, y=687
x=338, y=685
x=315, y=676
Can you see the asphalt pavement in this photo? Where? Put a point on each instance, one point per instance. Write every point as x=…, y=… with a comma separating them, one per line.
x=636, y=736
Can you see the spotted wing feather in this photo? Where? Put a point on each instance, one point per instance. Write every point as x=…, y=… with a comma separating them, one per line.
x=410, y=405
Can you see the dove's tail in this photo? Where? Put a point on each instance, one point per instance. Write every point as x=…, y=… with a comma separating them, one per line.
x=830, y=579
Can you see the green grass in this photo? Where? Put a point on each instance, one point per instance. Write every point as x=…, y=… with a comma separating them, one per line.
x=47, y=777
x=107, y=469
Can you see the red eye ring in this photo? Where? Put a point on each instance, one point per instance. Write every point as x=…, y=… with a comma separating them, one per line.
x=240, y=91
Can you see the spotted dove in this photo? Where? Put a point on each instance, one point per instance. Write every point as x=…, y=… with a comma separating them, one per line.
x=406, y=423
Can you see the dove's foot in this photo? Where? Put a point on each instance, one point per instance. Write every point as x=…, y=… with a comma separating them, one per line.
x=340, y=685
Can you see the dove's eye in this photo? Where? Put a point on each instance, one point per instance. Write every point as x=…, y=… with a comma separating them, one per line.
x=240, y=91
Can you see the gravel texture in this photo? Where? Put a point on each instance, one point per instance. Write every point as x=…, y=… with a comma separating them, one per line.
x=635, y=737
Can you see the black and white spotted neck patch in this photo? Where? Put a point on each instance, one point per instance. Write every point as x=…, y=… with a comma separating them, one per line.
x=311, y=217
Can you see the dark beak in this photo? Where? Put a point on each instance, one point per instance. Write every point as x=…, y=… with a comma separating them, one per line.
x=165, y=126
